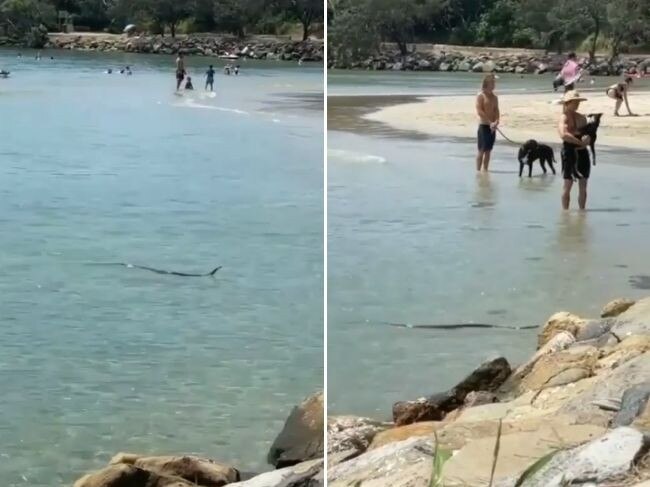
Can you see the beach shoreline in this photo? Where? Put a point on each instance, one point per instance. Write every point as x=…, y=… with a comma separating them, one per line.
x=523, y=117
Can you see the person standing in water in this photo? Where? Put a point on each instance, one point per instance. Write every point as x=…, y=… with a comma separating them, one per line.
x=209, y=80
x=576, y=163
x=487, y=109
x=188, y=84
x=619, y=92
x=180, y=70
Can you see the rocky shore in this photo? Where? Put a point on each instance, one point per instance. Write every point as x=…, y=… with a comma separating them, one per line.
x=576, y=413
x=297, y=454
x=260, y=47
x=448, y=58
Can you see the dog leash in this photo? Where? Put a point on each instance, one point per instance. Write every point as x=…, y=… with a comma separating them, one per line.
x=506, y=137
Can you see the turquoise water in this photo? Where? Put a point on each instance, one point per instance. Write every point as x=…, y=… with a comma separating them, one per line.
x=415, y=236
x=98, y=168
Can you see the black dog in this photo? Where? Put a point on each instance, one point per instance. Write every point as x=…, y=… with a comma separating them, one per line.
x=533, y=151
x=591, y=129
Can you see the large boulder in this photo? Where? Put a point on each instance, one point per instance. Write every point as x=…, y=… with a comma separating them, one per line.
x=406, y=463
x=633, y=404
x=123, y=475
x=346, y=433
x=608, y=385
x=616, y=307
x=489, y=376
x=198, y=471
x=472, y=464
x=559, y=322
x=603, y=459
x=300, y=475
x=301, y=439
x=634, y=321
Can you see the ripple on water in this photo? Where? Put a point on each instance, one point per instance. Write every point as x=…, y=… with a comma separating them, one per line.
x=640, y=282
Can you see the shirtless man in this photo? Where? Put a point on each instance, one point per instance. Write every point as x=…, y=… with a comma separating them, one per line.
x=180, y=70
x=487, y=109
x=576, y=163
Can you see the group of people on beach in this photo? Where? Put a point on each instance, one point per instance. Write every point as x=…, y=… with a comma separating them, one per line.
x=182, y=75
x=574, y=154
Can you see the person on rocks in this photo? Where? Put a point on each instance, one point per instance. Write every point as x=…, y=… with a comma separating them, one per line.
x=209, y=80
x=619, y=93
x=576, y=163
x=180, y=70
x=487, y=109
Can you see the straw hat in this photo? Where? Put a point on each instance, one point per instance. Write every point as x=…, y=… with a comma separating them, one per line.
x=572, y=95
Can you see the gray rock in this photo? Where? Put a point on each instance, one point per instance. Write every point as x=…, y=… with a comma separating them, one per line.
x=489, y=66
x=300, y=475
x=633, y=403
x=445, y=67
x=593, y=329
x=406, y=463
x=606, y=458
x=634, y=321
x=478, y=67
x=520, y=69
x=398, y=67
x=464, y=66
x=346, y=433
x=609, y=385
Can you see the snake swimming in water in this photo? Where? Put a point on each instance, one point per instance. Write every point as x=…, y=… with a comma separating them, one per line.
x=162, y=271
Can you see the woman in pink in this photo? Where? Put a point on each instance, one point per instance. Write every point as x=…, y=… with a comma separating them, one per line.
x=571, y=72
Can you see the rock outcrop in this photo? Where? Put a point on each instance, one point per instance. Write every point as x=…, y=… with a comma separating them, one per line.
x=302, y=437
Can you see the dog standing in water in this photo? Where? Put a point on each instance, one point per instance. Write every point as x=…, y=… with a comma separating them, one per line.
x=532, y=151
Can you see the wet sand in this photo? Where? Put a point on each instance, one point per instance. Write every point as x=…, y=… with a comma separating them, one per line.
x=523, y=116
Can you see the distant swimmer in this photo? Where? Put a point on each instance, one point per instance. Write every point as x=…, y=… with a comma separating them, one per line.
x=237, y=69
x=128, y=71
x=38, y=56
x=4, y=74
x=109, y=71
x=180, y=70
x=188, y=84
x=209, y=80
x=226, y=70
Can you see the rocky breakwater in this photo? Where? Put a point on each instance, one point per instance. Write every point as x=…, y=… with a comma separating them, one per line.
x=215, y=46
x=525, y=62
x=575, y=413
x=297, y=454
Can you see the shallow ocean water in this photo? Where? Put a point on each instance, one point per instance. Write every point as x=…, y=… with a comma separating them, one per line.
x=98, y=168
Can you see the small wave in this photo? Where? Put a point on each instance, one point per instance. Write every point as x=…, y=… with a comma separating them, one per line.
x=355, y=156
x=189, y=103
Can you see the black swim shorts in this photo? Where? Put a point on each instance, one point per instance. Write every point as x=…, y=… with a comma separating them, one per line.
x=486, y=138
x=180, y=75
x=576, y=163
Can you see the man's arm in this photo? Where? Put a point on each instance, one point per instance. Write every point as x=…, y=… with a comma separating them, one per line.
x=495, y=123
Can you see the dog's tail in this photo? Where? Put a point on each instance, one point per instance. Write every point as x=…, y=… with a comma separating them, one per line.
x=211, y=274
x=593, y=153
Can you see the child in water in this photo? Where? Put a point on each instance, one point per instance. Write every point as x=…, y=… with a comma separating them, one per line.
x=188, y=84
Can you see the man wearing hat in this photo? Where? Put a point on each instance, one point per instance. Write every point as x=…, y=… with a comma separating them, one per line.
x=576, y=163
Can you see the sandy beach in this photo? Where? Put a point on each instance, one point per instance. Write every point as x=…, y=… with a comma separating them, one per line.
x=523, y=116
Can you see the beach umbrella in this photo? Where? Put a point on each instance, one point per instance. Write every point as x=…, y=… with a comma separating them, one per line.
x=129, y=28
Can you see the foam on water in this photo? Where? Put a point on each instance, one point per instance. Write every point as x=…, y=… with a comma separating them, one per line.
x=351, y=156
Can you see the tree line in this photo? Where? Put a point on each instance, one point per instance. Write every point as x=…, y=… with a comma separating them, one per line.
x=239, y=17
x=358, y=27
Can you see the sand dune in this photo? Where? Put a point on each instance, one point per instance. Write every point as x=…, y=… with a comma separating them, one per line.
x=523, y=116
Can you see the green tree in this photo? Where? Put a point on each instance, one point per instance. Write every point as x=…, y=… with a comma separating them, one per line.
x=627, y=21
x=307, y=12
x=27, y=19
x=352, y=35
x=237, y=16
